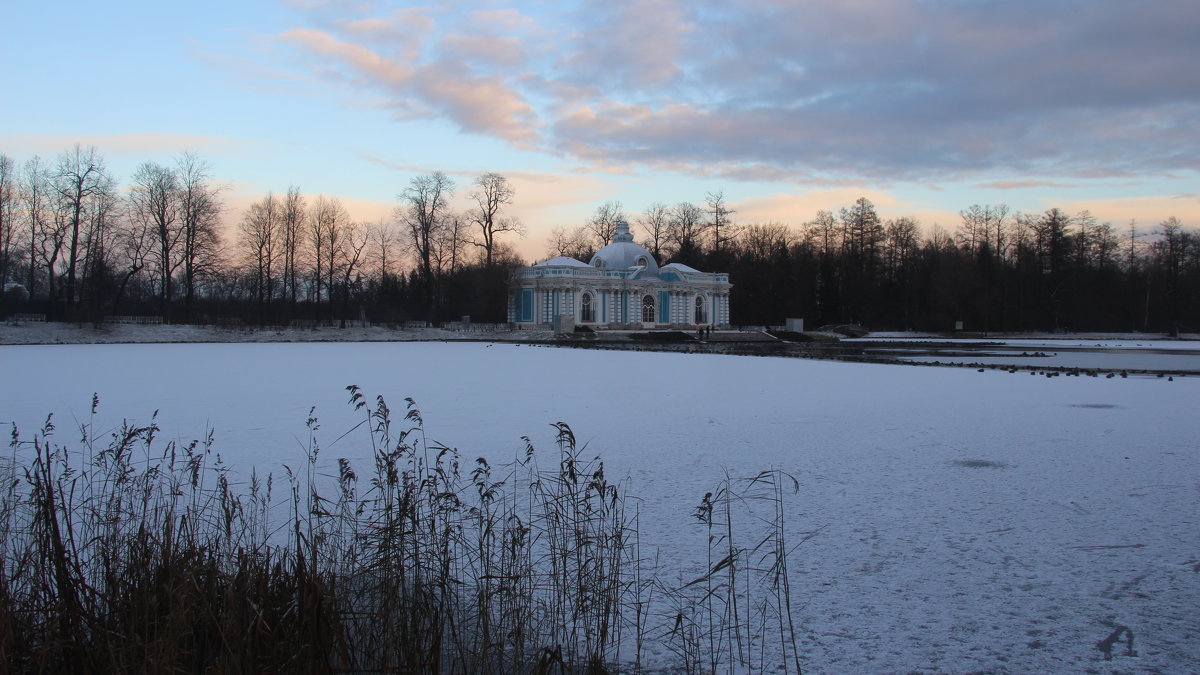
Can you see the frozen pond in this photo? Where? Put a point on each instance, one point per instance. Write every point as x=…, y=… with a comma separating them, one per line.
x=971, y=521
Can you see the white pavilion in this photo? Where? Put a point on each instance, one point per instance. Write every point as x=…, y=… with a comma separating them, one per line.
x=622, y=287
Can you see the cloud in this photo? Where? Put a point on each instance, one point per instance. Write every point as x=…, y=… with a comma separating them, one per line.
x=500, y=52
x=359, y=61
x=848, y=90
x=1023, y=185
x=477, y=103
x=634, y=46
x=399, y=33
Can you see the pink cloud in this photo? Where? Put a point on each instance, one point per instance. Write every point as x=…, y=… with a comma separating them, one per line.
x=904, y=90
x=362, y=61
x=401, y=33
x=481, y=104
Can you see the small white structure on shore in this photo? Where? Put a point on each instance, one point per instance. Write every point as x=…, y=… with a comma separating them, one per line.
x=622, y=287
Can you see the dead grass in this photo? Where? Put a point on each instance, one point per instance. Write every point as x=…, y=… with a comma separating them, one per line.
x=128, y=554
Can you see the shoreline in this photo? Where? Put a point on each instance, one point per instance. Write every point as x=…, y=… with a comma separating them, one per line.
x=51, y=333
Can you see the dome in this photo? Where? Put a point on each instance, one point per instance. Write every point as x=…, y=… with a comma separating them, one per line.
x=622, y=253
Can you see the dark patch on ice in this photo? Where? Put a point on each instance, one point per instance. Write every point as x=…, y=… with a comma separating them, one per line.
x=1094, y=405
x=979, y=464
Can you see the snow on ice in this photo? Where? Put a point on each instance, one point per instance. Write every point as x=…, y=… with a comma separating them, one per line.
x=971, y=521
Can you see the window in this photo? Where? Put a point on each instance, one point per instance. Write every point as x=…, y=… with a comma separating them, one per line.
x=524, y=304
x=587, y=309
x=701, y=315
x=648, y=309
x=642, y=262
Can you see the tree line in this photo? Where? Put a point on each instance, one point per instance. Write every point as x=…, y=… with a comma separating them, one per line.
x=76, y=246
x=998, y=270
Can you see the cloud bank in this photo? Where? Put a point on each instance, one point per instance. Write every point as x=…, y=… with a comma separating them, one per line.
x=918, y=90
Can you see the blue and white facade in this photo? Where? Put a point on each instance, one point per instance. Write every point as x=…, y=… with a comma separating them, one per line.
x=622, y=287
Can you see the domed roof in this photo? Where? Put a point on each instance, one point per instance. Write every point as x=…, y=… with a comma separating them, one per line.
x=622, y=253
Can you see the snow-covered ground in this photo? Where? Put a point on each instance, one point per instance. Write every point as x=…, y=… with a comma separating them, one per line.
x=972, y=522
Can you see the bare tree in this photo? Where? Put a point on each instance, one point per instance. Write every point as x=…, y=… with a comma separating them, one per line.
x=35, y=195
x=655, y=223
x=1132, y=250
x=764, y=243
x=983, y=225
x=79, y=176
x=603, y=223
x=52, y=238
x=1051, y=241
x=862, y=233
x=334, y=221
x=356, y=237
x=570, y=242
x=384, y=244
x=291, y=242
x=199, y=219
x=133, y=242
x=424, y=215
x=973, y=230
x=822, y=233
x=449, y=245
x=1083, y=239
x=723, y=230
x=997, y=229
x=325, y=220
x=491, y=194
x=8, y=217
x=1104, y=246
x=154, y=199
x=259, y=228
x=453, y=242
x=1176, y=252
x=102, y=218
x=900, y=246
x=685, y=232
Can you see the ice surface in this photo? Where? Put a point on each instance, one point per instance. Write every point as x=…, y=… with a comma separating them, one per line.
x=973, y=522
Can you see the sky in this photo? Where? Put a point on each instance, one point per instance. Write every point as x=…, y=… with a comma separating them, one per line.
x=787, y=106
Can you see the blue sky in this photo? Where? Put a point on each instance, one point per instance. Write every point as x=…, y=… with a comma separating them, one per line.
x=926, y=107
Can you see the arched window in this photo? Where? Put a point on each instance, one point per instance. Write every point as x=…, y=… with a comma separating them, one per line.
x=642, y=262
x=587, y=309
x=648, y=309
x=701, y=314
